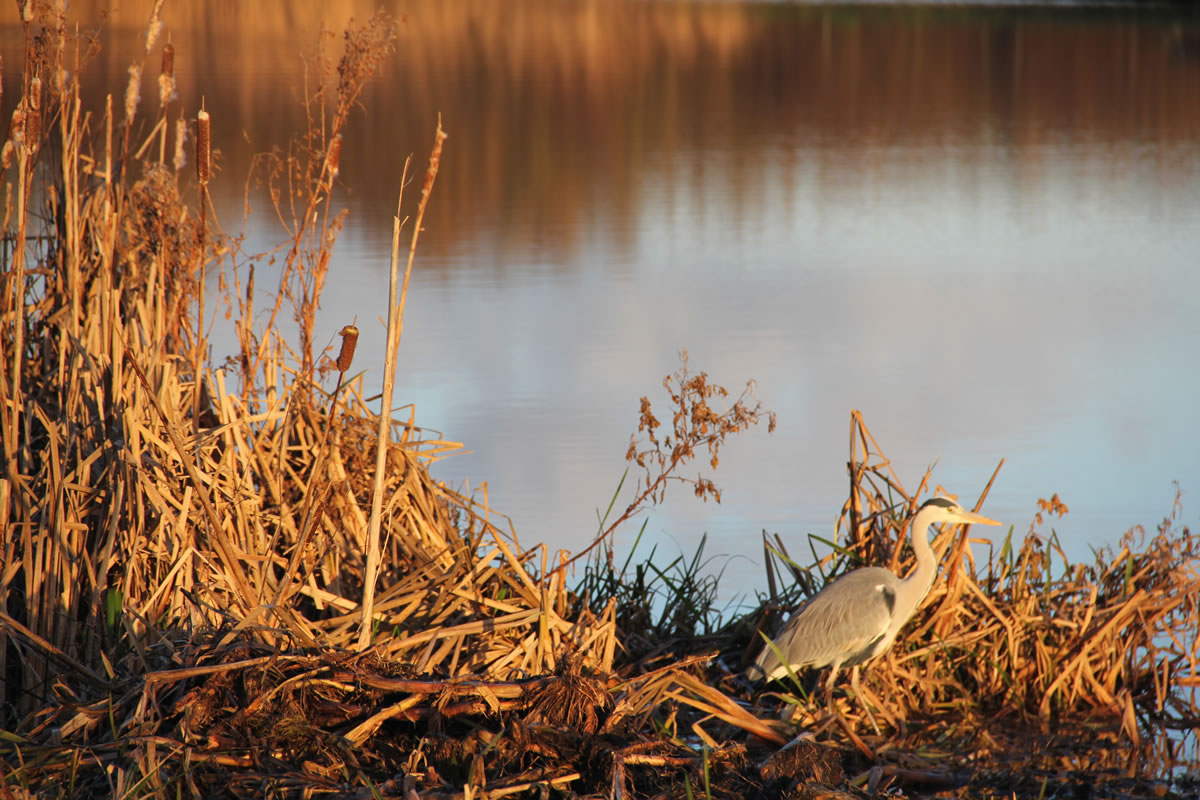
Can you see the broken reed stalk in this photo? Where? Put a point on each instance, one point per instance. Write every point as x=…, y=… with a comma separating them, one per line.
x=395, y=328
x=384, y=431
x=203, y=173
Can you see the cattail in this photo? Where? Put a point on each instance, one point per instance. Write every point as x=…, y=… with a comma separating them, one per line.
x=166, y=78
x=349, y=342
x=133, y=91
x=180, y=140
x=168, y=59
x=33, y=115
x=203, y=147
x=154, y=26
x=27, y=11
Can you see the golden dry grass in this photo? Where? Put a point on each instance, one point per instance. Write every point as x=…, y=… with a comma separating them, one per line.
x=186, y=549
x=1028, y=636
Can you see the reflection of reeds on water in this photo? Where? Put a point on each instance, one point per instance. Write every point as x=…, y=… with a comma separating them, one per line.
x=185, y=550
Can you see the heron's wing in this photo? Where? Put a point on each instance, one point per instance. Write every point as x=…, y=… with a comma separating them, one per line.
x=843, y=623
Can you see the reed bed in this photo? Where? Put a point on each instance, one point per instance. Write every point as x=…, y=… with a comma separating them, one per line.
x=189, y=551
x=1027, y=640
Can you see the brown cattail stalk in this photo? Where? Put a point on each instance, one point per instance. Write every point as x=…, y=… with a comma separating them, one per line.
x=349, y=342
x=203, y=147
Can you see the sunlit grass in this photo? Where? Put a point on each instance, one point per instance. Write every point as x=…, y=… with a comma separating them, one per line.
x=200, y=595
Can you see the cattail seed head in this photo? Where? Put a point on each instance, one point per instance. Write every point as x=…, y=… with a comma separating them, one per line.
x=166, y=89
x=203, y=147
x=133, y=91
x=349, y=342
x=180, y=141
x=16, y=130
x=154, y=27
x=33, y=115
x=166, y=79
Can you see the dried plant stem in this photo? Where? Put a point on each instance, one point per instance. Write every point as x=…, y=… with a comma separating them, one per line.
x=394, y=330
x=383, y=432
x=13, y=409
x=203, y=173
x=232, y=560
x=166, y=91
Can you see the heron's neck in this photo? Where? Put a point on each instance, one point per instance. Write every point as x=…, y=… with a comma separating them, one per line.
x=922, y=577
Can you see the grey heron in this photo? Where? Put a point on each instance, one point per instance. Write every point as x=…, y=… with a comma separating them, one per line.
x=856, y=618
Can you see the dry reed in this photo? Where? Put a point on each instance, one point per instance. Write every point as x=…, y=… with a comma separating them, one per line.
x=147, y=506
x=1023, y=639
x=185, y=577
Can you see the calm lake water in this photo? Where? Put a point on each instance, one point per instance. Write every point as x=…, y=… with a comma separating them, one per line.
x=980, y=226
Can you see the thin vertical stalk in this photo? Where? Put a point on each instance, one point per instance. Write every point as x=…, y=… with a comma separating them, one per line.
x=384, y=429
x=395, y=328
x=166, y=91
x=203, y=171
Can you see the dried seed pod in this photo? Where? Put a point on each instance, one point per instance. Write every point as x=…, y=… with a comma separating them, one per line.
x=168, y=60
x=154, y=27
x=33, y=115
x=166, y=79
x=349, y=342
x=133, y=91
x=335, y=156
x=180, y=140
x=203, y=147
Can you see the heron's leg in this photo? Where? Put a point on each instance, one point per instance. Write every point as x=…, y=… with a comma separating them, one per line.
x=860, y=699
x=833, y=671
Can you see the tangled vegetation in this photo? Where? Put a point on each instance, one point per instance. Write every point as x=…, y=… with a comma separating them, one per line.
x=227, y=583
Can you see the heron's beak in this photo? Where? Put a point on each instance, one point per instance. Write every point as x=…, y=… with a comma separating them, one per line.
x=971, y=518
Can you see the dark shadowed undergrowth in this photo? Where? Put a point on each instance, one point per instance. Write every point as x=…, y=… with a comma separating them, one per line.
x=186, y=548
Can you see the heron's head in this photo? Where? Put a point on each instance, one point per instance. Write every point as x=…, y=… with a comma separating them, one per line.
x=943, y=509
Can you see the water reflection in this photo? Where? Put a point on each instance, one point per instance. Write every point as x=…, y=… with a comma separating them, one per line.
x=977, y=225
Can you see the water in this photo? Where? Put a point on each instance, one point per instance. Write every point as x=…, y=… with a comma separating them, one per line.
x=980, y=226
